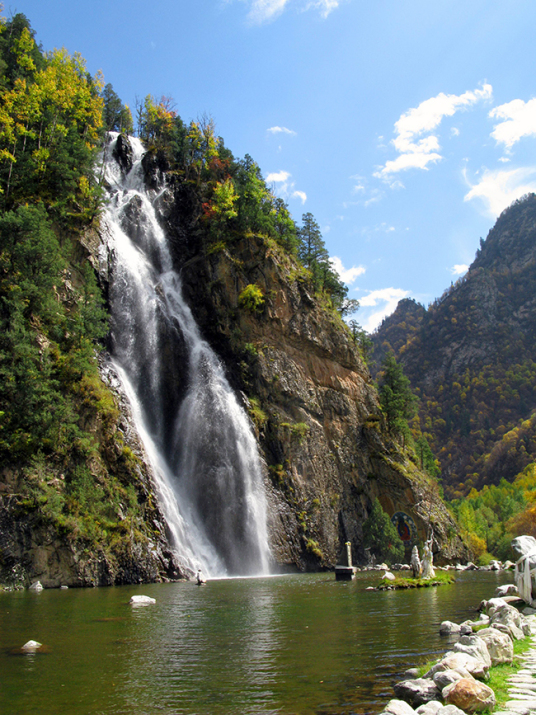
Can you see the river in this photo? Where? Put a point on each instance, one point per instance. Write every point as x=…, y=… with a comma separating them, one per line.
x=294, y=645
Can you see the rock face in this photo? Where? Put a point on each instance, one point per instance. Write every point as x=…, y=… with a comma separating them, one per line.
x=33, y=547
x=481, y=333
x=310, y=395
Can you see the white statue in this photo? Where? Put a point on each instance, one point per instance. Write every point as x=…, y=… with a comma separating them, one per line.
x=428, y=560
x=416, y=563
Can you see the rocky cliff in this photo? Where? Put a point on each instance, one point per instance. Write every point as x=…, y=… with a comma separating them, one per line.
x=91, y=516
x=470, y=357
x=308, y=392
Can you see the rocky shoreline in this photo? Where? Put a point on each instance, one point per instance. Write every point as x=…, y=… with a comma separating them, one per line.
x=455, y=684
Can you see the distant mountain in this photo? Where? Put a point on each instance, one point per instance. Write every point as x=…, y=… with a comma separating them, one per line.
x=471, y=358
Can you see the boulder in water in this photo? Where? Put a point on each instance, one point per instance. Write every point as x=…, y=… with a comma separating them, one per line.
x=142, y=601
x=447, y=628
x=418, y=691
x=31, y=646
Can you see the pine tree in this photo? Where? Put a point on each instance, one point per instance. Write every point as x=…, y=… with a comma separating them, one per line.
x=397, y=401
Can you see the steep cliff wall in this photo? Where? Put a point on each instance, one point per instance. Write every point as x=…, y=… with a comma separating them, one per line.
x=309, y=394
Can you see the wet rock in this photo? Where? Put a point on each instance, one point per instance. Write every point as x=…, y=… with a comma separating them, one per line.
x=470, y=695
x=418, y=691
x=123, y=153
x=466, y=628
x=447, y=628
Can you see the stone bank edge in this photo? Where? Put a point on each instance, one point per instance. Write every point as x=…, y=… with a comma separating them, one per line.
x=453, y=686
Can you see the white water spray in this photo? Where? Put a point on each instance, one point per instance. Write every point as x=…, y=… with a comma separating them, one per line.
x=199, y=441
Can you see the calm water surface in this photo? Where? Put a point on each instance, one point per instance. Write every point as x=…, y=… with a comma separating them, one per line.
x=295, y=645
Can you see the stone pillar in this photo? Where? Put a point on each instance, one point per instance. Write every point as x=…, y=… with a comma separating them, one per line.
x=349, y=553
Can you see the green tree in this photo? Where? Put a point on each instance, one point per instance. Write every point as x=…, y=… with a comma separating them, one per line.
x=116, y=116
x=427, y=461
x=397, y=401
x=381, y=537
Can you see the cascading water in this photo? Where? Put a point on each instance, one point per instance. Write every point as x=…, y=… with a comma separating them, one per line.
x=199, y=442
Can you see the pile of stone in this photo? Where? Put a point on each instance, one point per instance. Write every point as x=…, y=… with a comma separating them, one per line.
x=455, y=684
x=469, y=566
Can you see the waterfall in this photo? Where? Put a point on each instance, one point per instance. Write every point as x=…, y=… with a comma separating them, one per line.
x=196, y=435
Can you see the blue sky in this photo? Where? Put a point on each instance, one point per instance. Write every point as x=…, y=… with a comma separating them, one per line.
x=405, y=127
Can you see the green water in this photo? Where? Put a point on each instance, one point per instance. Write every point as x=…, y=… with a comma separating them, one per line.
x=301, y=644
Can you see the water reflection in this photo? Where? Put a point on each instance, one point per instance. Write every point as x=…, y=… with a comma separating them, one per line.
x=297, y=645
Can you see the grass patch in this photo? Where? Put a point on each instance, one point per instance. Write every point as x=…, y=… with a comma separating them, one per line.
x=498, y=680
x=440, y=579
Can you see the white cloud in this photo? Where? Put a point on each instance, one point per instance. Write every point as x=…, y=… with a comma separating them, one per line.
x=281, y=130
x=278, y=177
x=285, y=187
x=261, y=11
x=325, y=6
x=382, y=227
x=266, y=10
x=519, y=120
x=347, y=275
x=497, y=189
x=459, y=269
x=386, y=300
x=300, y=195
x=455, y=132
x=417, y=153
